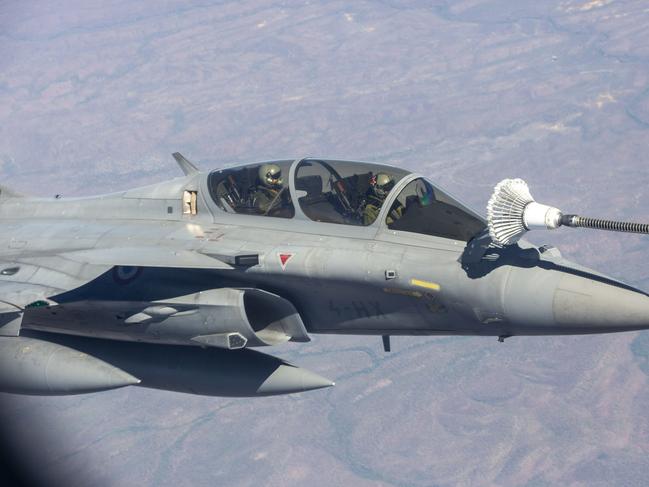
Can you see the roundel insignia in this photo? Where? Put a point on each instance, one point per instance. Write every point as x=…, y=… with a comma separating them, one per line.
x=126, y=274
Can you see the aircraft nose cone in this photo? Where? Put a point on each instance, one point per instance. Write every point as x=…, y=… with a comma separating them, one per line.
x=598, y=307
x=288, y=379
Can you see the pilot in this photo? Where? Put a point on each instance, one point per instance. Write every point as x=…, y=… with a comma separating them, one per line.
x=266, y=194
x=380, y=185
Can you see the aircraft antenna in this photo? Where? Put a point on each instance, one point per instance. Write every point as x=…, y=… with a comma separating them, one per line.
x=185, y=165
x=512, y=212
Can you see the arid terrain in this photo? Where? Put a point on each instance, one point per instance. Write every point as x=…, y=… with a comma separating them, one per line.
x=94, y=96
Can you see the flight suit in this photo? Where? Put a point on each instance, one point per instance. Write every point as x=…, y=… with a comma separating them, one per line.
x=263, y=197
x=373, y=208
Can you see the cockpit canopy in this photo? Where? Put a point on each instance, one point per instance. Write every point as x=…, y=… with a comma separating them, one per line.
x=254, y=189
x=422, y=208
x=343, y=192
x=351, y=193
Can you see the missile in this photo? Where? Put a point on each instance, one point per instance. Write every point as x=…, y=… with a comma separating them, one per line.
x=31, y=366
x=195, y=370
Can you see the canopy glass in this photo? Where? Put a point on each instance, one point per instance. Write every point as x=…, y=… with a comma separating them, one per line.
x=343, y=192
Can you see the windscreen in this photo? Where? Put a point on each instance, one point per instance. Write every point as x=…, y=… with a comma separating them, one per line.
x=422, y=208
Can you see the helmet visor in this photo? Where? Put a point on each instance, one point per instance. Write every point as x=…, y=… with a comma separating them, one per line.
x=274, y=178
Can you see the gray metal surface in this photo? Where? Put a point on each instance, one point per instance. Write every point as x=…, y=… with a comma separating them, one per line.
x=192, y=370
x=165, y=264
x=32, y=366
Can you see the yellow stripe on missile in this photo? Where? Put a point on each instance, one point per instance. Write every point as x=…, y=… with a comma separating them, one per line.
x=425, y=284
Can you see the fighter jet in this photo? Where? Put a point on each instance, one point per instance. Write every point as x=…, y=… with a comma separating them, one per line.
x=172, y=286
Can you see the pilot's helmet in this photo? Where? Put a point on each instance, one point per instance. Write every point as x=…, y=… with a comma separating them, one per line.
x=382, y=184
x=270, y=175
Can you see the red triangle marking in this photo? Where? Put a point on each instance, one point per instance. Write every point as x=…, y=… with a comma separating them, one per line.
x=284, y=258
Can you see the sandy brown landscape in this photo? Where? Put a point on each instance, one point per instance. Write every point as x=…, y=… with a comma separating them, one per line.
x=94, y=96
